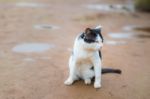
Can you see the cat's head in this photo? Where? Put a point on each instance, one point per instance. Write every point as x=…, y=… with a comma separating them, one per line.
x=93, y=35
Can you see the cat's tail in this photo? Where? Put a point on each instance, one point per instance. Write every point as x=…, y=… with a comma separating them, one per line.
x=110, y=70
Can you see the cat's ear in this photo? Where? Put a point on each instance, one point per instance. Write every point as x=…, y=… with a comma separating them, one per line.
x=87, y=30
x=98, y=28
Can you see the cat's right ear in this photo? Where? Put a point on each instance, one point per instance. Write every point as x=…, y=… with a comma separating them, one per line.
x=87, y=30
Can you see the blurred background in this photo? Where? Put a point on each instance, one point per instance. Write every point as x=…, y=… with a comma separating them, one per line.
x=37, y=36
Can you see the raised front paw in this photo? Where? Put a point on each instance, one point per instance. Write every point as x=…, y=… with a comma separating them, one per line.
x=68, y=82
x=97, y=85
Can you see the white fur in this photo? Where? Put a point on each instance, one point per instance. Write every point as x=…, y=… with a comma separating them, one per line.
x=85, y=55
x=98, y=27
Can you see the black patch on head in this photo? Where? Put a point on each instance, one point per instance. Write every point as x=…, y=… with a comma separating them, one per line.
x=85, y=39
x=98, y=31
x=90, y=35
x=89, y=40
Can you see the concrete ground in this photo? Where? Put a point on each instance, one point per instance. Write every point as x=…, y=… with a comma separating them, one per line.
x=36, y=39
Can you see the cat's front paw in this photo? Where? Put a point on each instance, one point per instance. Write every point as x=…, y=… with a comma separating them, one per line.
x=68, y=82
x=97, y=85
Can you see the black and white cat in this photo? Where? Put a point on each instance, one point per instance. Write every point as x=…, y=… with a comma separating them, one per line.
x=85, y=62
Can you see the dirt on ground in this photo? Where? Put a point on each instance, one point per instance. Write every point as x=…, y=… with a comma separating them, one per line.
x=36, y=39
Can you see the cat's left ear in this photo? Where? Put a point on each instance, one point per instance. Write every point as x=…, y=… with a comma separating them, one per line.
x=87, y=30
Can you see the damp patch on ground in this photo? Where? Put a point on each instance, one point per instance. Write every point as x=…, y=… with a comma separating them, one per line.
x=92, y=17
x=120, y=35
x=32, y=47
x=45, y=58
x=29, y=59
x=113, y=43
x=45, y=26
x=111, y=7
x=34, y=59
x=137, y=28
x=143, y=36
x=30, y=5
x=8, y=1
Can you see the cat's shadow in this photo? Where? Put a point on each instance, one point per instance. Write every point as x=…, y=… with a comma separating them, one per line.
x=82, y=81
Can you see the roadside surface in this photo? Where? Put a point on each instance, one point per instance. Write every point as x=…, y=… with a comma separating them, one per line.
x=50, y=26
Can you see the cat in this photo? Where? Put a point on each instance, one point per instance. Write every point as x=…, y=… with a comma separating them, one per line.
x=86, y=59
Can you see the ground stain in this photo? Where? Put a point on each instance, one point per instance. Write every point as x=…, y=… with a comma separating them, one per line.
x=45, y=58
x=120, y=35
x=30, y=4
x=111, y=42
x=110, y=93
x=45, y=26
x=93, y=17
x=144, y=29
x=124, y=86
x=29, y=59
x=137, y=28
x=126, y=35
x=143, y=36
x=32, y=47
x=111, y=7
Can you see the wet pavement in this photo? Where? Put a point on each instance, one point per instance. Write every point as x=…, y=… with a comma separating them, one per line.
x=30, y=5
x=120, y=35
x=32, y=47
x=45, y=26
x=113, y=43
x=112, y=7
x=36, y=38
